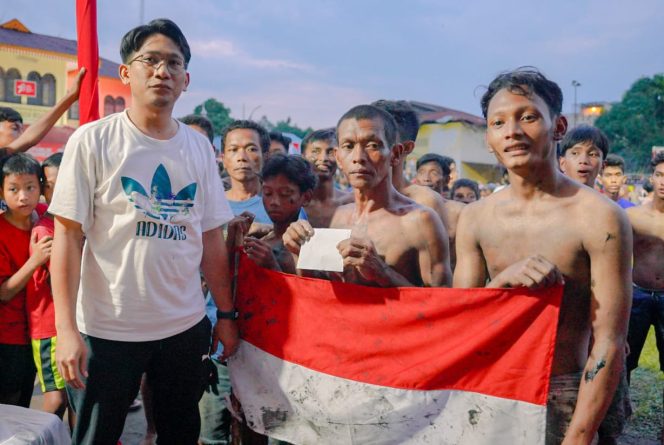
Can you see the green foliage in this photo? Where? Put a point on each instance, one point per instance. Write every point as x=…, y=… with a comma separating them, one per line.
x=288, y=127
x=636, y=123
x=217, y=112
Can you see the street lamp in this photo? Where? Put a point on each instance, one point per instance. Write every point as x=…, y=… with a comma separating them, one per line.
x=575, y=84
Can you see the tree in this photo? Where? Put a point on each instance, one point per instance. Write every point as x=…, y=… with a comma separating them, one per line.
x=288, y=127
x=217, y=112
x=636, y=123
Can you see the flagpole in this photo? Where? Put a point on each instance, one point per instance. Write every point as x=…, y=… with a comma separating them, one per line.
x=88, y=57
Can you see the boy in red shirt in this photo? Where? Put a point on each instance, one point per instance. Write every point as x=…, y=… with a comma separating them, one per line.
x=20, y=188
x=39, y=305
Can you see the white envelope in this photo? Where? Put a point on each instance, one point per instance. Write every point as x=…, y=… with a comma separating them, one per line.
x=320, y=252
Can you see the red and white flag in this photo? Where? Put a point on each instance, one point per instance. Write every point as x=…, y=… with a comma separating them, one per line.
x=324, y=362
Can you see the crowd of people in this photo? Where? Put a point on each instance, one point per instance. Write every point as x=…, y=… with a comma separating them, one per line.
x=117, y=258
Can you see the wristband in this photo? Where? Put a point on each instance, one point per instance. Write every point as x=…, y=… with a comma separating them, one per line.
x=230, y=315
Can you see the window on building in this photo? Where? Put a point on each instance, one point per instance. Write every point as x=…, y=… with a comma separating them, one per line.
x=119, y=104
x=48, y=90
x=10, y=77
x=73, y=112
x=2, y=84
x=109, y=105
x=38, y=99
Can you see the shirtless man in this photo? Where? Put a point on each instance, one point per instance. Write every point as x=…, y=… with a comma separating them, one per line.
x=395, y=241
x=407, y=128
x=318, y=148
x=648, y=275
x=544, y=229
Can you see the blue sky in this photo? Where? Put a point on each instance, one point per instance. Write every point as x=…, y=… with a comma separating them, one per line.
x=312, y=60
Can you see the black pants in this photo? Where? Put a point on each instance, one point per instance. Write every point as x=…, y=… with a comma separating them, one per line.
x=17, y=374
x=174, y=368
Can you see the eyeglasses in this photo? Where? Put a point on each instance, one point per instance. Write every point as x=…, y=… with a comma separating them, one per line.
x=174, y=65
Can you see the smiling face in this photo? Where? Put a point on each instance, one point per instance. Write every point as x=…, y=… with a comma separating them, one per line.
x=156, y=73
x=582, y=162
x=21, y=192
x=321, y=155
x=243, y=159
x=521, y=131
x=363, y=153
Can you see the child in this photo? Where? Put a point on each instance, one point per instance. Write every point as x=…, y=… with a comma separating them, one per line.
x=288, y=184
x=20, y=187
x=39, y=305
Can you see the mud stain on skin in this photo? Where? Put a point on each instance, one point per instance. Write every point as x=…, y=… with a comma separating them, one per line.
x=590, y=374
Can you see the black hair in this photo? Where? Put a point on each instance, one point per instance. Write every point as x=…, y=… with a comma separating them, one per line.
x=134, y=39
x=10, y=115
x=585, y=134
x=438, y=159
x=200, y=121
x=525, y=81
x=361, y=112
x=327, y=134
x=247, y=125
x=295, y=168
x=648, y=187
x=19, y=164
x=657, y=159
x=404, y=115
x=466, y=183
x=614, y=160
x=53, y=161
x=279, y=137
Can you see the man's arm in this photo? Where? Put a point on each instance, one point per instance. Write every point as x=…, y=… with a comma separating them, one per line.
x=38, y=130
x=71, y=353
x=214, y=265
x=609, y=245
x=434, y=250
x=470, y=270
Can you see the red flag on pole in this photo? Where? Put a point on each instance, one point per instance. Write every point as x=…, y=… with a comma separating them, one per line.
x=88, y=57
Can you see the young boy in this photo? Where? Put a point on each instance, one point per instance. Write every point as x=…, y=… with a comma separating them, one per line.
x=20, y=187
x=39, y=305
x=582, y=154
x=288, y=184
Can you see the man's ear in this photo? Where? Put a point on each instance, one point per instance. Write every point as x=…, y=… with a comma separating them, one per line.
x=408, y=148
x=336, y=158
x=123, y=71
x=562, y=163
x=397, y=153
x=186, y=82
x=560, y=128
x=308, y=195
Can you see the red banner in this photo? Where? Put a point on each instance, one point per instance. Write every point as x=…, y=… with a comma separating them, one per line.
x=88, y=57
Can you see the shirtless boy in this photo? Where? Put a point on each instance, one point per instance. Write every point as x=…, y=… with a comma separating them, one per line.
x=544, y=229
x=395, y=241
x=318, y=149
x=648, y=275
x=407, y=128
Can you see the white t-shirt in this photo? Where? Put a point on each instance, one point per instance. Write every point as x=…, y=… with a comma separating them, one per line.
x=143, y=204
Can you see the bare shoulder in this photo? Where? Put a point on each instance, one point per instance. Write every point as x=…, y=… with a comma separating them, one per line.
x=342, y=216
x=423, y=195
x=640, y=215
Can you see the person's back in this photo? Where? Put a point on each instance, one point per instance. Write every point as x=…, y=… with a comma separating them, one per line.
x=545, y=229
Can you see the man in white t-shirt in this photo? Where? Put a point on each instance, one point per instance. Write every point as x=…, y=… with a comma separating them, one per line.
x=144, y=191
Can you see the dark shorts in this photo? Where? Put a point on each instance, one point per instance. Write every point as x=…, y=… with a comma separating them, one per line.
x=619, y=411
x=17, y=375
x=647, y=310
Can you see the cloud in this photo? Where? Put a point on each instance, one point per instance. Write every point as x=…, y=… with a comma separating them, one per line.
x=226, y=49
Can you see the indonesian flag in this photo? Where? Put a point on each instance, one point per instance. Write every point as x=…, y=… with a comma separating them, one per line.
x=324, y=362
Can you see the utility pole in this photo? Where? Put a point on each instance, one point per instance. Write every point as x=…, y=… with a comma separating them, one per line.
x=575, y=84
